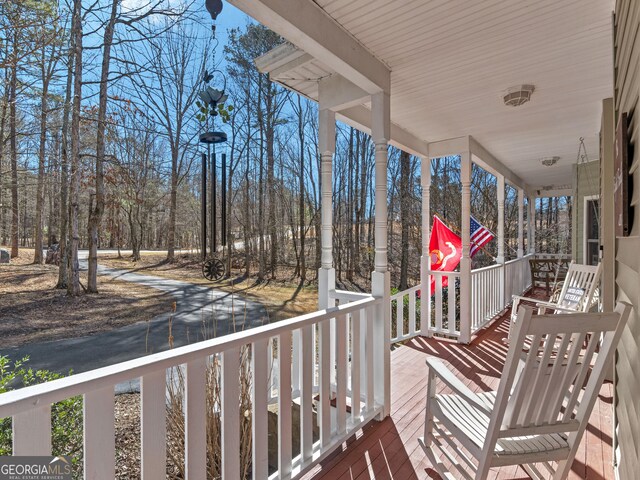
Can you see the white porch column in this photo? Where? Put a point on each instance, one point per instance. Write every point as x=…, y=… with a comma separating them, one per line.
x=500, y=186
x=531, y=224
x=380, y=279
x=520, y=223
x=425, y=259
x=465, y=261
x=500, y=258
x=327, y=146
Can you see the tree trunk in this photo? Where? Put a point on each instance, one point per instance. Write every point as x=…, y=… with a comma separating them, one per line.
x=5, y=102
x=73, y=285
x=13, y=151
x=95, y=216
x=261, y=253
x=64, y=177
x=37, y=257
x=301, y=210
x=350, y=203
x=404, y=218
x=173, y=205
x=270, y=132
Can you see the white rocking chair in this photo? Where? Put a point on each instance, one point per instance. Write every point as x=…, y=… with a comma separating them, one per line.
x=541, y=408
x=578, y=293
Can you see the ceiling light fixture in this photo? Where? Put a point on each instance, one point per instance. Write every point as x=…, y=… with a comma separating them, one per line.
x=549, y=161
x=518, y=95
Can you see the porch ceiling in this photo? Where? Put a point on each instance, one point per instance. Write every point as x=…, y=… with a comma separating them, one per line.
x=451, y=62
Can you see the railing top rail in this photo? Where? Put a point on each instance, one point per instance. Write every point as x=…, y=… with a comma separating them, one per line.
x=23, y=399
x=484, y=269
x=348, y=295
x=442, y=274
x=516, y=260
x=397, y=295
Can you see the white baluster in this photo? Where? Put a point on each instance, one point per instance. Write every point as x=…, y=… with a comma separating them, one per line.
x=99, y=434
x=153, y=431
x=32, y=432
x=261, y=354
x=195, y=441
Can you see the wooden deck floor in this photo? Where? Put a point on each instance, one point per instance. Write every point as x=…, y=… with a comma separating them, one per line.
x=389, y=449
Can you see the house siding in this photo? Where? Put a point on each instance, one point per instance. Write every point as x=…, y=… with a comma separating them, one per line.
x=627, y=403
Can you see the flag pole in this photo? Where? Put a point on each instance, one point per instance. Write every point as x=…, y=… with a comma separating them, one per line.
x=457, y=231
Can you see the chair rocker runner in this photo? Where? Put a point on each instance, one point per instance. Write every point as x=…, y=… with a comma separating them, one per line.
x=539, y=413
x=578, y=293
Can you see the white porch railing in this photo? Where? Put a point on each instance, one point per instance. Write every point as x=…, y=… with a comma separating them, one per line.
x=517, y=277
x=353, y=381
x=491, y=291
x=401, y=329
x=411, y=317
x=487, y=295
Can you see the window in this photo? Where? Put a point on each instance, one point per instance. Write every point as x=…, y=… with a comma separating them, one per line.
x=591, y=253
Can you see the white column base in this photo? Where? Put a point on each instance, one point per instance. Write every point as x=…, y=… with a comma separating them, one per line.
x=425, y=297
x=381, y=288
x=326, y=283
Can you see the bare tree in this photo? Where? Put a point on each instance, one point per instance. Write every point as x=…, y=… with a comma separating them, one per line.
x=73, y=282
x=173, y=68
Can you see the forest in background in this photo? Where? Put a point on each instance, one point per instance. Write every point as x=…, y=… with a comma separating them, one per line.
x=99, y=149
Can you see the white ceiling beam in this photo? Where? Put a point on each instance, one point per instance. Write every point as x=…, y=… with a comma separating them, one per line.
x=281, y=60
x=307, y=26
x=450, y=146
x=337, y=93
x=552, y=191
x=495, y=166
x=360, y=117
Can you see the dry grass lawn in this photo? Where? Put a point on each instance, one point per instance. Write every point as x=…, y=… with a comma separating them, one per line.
x=281, y=299
x=32, y=310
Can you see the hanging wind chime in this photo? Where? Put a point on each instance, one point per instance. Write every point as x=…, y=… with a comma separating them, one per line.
x=212, y=106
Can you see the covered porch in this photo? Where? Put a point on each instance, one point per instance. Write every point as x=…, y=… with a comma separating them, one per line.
x=390, y=69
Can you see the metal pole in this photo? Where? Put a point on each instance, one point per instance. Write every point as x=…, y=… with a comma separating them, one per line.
x=214, y=212
x=203, y=207
x=223, y=218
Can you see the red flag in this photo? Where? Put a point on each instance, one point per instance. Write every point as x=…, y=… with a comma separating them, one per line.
x=445, y=250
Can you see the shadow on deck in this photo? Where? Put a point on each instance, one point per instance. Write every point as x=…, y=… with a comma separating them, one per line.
x=390, y=450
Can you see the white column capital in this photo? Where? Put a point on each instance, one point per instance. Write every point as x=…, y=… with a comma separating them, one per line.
x=425, y=171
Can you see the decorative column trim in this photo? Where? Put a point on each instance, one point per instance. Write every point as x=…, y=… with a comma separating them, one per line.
x=327, y=146
x=501, y=257
x=380, y=278
x=425, y=259
x=500, y=187
x=327, y=129
x=520, y=223
x=465, y=261
x=380, y=133
x=531, y=224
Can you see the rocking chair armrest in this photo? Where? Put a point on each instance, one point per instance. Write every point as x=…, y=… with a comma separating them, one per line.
x=520, y=298
x=443, y=373
x=553, y=306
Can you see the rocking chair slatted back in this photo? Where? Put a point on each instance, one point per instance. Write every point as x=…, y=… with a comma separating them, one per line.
x=546, y=382
x=579, y=286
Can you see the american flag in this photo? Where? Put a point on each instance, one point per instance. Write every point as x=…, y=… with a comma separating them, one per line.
x=480, y=236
